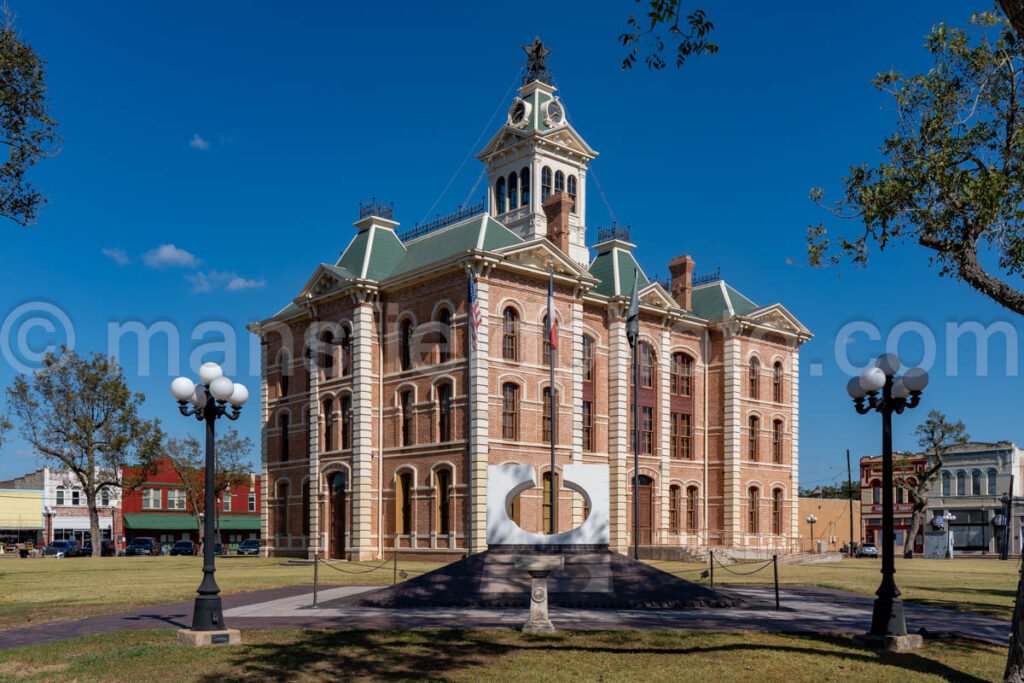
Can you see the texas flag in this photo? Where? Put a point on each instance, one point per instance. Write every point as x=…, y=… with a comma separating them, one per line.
x=552, y=321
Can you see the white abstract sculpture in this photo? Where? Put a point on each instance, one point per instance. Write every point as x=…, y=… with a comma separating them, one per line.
x=505, y=482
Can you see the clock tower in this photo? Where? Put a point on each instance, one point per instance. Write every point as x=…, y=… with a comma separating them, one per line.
x=536, y=154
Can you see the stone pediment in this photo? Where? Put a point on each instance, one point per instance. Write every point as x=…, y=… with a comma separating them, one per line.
x=542, y=255
x=324, y=280
x=655, y=295
x=567, y=137
x=776, y=316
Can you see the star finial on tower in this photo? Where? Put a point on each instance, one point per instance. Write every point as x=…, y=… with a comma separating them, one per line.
x=536, y=62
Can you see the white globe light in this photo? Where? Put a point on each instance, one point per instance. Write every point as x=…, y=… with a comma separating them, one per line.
x=854, y=389
x=221, y=388
x=239, y=396
x=182, y=388
x=198, y=397
x=915, y=379
x=872, y=379
x=209, y=372
x=899, y=389
x=889, y=363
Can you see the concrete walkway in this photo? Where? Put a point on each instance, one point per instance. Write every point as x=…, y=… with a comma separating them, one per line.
x=804, y=610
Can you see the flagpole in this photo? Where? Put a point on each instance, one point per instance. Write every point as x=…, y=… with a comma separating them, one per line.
x=551, y=393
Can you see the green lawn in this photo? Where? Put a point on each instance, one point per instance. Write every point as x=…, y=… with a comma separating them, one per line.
x=984, y=586
x=505, y=655
x=35, y=591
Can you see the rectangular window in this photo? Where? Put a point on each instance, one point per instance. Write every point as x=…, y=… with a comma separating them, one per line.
x=691, y=509
x=76, y=497
x=151, y=499
x=646, y=366
x=227, y=501
x=547, y=504
x=252, y=501
x=682, y=445
x=588, y=426
x=510, y=412
x=444, y=398
x=588, y=359
x=673, y=510
x=681, y=380
x=406, y=400
x=753, y=432
x=777, y=441
x=175, y=499
x=646, y=430
x=346, y=421
x=546, y=421
x=752, y=509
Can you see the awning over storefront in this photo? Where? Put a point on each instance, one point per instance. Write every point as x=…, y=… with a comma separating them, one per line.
x=79, y=523
x=240, y=522
x=160, y=521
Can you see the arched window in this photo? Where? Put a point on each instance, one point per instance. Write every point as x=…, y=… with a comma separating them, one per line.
x=588, y=358
x=777, y=505
x=571, y=191
x=546, y=424
x=442, y=498
x=346, y=352
x=753, y=434
x=444, y=411
x=777, y=382
x=961, y=483
x=403, y=504
x=647, y=363
x=559, y=182
x=499, y=194
x=285, y=440
x=681, y=380
x=691, y=508
x=76, y=496
x=546, y=345
x=674, y=499
x=285, y=374
x=444, y=346
x=993, y=476
x=946, y=484
x=755, y=378
x=328, y=418
x=346, y=421
x=510, y=411
x=60, y=495
x=900, y=495
x=405, y=399
x=282, y=508
x=876, y=493
x=524, y=186
x=976, y=483
x=305, y=508
x=513, y=191
x=326, y=356
x=510, y=334
x=777, y=442
x=105, y=497
x=405, y=344
x=547, y=504
x=545, y=183
x=753, y=503
x=307, y=364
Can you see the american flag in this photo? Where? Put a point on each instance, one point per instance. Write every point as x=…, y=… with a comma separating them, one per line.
x=474, y=310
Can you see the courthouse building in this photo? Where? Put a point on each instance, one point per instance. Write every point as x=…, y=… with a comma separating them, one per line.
x=380, y=415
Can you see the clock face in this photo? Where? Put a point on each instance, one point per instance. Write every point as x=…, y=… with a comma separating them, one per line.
x=517, y=113
x=555, y=112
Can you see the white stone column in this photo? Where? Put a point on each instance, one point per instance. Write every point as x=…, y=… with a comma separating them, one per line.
x=479, y=436
x=794, y=486
x=732, y=497
x=618, y=431
x=575, y=332
x=312, y=541
x=363, y=538
x=665, y=420
x=265, y=533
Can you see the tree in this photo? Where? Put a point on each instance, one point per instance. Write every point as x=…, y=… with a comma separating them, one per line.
x=79, y=413
x=844, y=490
x=188, y=458
x=644, y=36
x=26, y=127
x=935, y=436
x=952, y=178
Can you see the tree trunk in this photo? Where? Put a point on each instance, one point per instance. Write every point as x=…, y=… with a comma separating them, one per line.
x=915, y=526
x=94, y=526
x=1015, y=659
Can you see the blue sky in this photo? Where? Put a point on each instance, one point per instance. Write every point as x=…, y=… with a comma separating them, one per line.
x=245, y=134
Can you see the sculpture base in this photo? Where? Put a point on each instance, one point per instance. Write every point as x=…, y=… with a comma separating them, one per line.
x=229, y=636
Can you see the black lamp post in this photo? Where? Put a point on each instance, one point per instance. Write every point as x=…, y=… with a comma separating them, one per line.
x=811, y=519
x=208, y=401
x=897, y=394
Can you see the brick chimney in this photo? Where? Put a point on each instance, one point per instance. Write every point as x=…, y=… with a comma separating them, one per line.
x=557, y=208
x=681, y=269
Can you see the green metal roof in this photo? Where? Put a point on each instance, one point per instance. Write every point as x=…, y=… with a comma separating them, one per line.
x=615, y=266
x=372, y=254
x=717, y=300
x=456, y=238
x=185, y=521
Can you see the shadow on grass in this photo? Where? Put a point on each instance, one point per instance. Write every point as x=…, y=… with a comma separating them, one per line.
x=438, y=655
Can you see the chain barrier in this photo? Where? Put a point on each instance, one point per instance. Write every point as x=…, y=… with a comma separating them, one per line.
x=767, y=564
x=346, y=571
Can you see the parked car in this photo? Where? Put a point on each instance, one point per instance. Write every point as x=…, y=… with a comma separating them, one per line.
x=107, y=548
x=62, y=548
x=219, y=549
x=184, y=548
x=867, y=550
x=250, y=546
x=143, y=545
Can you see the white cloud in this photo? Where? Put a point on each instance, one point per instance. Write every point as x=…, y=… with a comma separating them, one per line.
x=168, y=255
x=197, y=142
x=117, y=255
x=208, y=281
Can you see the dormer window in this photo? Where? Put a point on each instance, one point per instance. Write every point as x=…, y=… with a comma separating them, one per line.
x=499, y=194
x=513, y=191
x=571, y=191
x=545, y=183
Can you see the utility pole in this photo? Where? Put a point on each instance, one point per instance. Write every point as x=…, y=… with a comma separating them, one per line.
x=849, y=493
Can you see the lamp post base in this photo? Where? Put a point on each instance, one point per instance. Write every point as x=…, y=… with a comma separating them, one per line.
x=207, y=615
x=904, y=643
x=229, y=636
x=887, y=618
